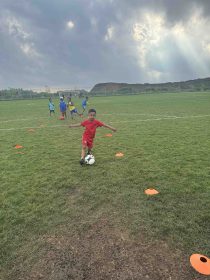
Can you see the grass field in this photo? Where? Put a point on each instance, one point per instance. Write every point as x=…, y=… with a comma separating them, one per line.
x=46, y=194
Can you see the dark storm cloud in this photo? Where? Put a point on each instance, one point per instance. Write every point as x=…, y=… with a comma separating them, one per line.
x=68, y=55
x=175, y=10
x=38, y=48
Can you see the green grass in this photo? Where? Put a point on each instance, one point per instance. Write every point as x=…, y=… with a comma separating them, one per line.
x=46, y=188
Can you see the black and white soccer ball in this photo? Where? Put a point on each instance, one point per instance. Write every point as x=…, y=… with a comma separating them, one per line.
x=90, y=159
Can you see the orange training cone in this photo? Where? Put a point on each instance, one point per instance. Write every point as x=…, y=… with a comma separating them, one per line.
x=151, y=192
x=18, y=146
x=109, y=135
x=200, y=263
x=119, y=155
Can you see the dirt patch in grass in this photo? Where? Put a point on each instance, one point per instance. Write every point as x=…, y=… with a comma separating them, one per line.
x=104, y=252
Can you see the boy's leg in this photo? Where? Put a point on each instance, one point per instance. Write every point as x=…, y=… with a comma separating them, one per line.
x=76, y=112
x=90, y=146
x=72, y=115
x=89, y=151
x=82, y=161
x=83, y=152
x=86, y=143
x=83, y=109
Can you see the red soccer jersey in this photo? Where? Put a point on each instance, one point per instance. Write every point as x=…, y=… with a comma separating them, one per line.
x=90, y=128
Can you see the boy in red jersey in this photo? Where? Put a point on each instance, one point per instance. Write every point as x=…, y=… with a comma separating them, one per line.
x=90, y=125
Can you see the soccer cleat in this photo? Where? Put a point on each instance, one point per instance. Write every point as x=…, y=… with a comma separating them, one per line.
x=82, y=161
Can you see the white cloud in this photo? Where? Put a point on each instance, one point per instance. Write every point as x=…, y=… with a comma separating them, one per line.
x=148, y=33
x=149, y=29
x=139, y=32
x=20, y=36
x=16, y=29
x=110, y=33
x=178, y=30
x=29, y=50
x=70, y=24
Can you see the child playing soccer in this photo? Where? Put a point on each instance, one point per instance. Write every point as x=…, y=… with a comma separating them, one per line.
x=72, y=109
x=51, y=107
x=84, y=103
x=90, y=125
x=62, y=107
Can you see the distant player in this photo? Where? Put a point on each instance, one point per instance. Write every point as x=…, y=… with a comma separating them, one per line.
x=90, y=125
x=84, y=104
x=51, y=106
x=62, y=107
x=72, y=109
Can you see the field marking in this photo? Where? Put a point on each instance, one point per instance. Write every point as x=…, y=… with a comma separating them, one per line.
x=31, y=127
x=136, y=114
x=128, y=121
x=164, y=118
x=17, y=120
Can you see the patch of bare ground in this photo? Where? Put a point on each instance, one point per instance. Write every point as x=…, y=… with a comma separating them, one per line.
x=104, y=252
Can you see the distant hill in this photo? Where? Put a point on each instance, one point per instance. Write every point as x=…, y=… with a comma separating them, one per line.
x=124, y=88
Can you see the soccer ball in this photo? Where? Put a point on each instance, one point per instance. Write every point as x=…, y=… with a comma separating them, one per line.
x=89, y=159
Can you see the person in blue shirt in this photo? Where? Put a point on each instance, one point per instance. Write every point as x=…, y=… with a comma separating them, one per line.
x=51, y=106
x=84, y=103
x=62, y=107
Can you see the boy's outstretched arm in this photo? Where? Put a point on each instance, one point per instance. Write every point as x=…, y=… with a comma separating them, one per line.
x=110, y=127
x=75, y=125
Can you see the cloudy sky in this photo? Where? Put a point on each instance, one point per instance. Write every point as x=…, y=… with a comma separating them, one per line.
x=66, y=43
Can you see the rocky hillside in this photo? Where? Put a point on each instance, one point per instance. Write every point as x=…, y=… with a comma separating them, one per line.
x=123, y=88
